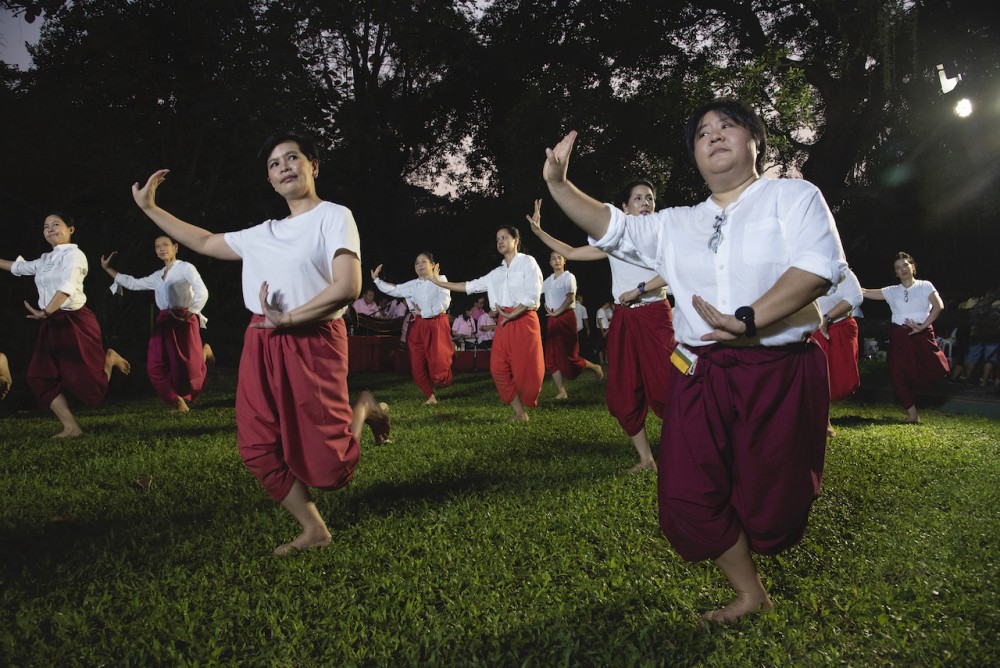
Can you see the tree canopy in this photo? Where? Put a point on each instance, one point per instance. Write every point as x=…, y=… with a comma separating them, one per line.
x=433, y=116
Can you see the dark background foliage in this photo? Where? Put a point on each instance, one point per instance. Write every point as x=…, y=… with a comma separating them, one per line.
x=433, y=116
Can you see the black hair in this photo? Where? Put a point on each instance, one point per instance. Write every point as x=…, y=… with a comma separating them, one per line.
x=626, y=193
x=306, y=144
x=740, y=113
x=427, y=254
x=515, y=234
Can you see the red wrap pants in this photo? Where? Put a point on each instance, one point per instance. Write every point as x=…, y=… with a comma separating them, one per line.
x=639, y=344
x=516, y=362
x=562, y=346
x=915, y=362
x=175, y=362
x=293, y=412
x=742, y=448
x=431, y=352
x=841, y=357
x=68, y=357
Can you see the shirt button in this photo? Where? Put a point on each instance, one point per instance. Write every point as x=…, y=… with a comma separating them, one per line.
x=721, y=267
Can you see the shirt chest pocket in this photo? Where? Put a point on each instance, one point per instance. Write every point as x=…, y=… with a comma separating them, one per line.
x=764, y=242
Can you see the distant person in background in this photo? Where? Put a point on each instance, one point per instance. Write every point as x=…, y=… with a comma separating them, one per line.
x=5, y=378
x=396, y=308
x=516, y=363
x=366, y=304
x=583, y=328
x=562, y=345
x=604, y=316
x=485, y=329
x=428, y=337
x=838, y=337
x=176, y=358
x=639, y=336
x=479, y=307
x=983, y=340
x=295, y=426
x=463, y=329
x=69, y=353
x=915, y=360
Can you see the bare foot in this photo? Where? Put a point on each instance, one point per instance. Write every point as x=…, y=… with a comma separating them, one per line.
x=307, y=540
x=112, y=360
x=830, y=431
x=68, y=432
x=644, y=466
x=739, y=607
x=181, y=406
x=431, y=400
x=911, y=421
x=5, y=378
x=561, y=395
x=519, y=417
x=377, y=417
x=598, y=371
x=206, y=351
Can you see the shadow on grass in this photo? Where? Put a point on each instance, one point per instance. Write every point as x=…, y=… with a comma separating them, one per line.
x=860, y=421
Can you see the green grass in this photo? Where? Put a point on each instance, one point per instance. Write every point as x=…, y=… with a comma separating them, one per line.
x=469, y=541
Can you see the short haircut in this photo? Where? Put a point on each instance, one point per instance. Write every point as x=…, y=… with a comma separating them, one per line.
x=740, y=113
x=306, y=144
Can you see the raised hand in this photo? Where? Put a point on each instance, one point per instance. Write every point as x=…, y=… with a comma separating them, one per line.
x=557, y=159
x=34, y=313
x=106, y=259
x=145, y=197
x=272, y=316
x=376, y=271
x=535, y=220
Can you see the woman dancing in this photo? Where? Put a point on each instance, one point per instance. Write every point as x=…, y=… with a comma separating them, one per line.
x=428, y=336
x=915, y=361
x=69, y=354
x=295, y=426
x=176, y=359
x=516, y=363
x=562, y=343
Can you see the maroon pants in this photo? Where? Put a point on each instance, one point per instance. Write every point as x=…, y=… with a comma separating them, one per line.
x=431, y=352
x=841, y=357
x=742, y=448
x=915, y=362
x=516, y=361
x=68, y=357
x=175, y=362
x=293, y=412
x=562, y=346
x=639, y=344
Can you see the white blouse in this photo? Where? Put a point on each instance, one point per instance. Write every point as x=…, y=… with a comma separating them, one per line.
x=419, y=293
x=912, y=303
x=181, y=288
x=555, y=288
x=848, y=290
x=507, y=287
x=60, y=270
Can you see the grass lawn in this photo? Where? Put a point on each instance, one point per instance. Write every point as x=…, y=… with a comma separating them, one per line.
x=469, y=541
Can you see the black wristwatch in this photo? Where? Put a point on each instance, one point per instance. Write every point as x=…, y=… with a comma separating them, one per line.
x=641, y=288
x=746, y=315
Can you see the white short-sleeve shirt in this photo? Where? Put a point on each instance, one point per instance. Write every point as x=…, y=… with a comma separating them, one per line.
x=773, y=226
x=294, y=255
x=912, y=303
x=555, y=288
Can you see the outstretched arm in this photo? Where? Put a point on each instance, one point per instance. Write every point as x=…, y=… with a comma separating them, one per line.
x=6, y=264
x=561, y=247
x=873, y=294
x=197, y=239
x=435, y=278
x=590, y=215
